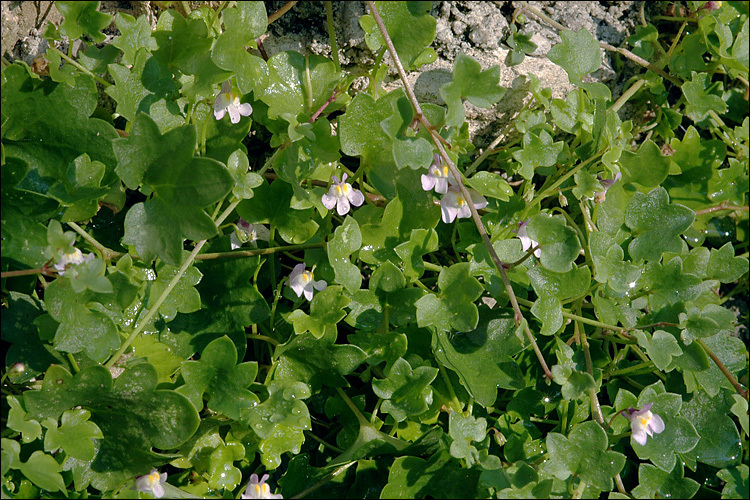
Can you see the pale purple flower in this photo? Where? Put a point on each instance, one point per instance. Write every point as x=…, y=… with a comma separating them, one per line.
x=527, y=242
x=258, y=489
x=74, y=258
x=643, y=423
x=229, y=101
x=438, y=176
x=454, y=205
x=151, y=482
x=600, y=196
x=248, y=233
x=302, y=281
x=342, y=194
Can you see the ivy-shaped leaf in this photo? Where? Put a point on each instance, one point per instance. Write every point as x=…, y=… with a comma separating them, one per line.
x=464, y=430
x=647, y=167
x=579, y=54
x=584, y=453
x=454, y=306
x=656, y=224
x=736, y=478
x=653, y=482
x=218, y=378
x=135, y=34
x=483, y=357
x=539, y=150
x=30, y=429
x=326, y=310
x=83, y=18
x=724, y=266
x=132, y=414
x=558, y=242
x=709, y=321
x=661, y=347
x=411, y=29
x=439, y=477
x=481, y=88
x=75, y=435
x=346, y=239
x=421, y=242
x=406, y=392
x=317, y=362
x=280, y=420
x=700, y=99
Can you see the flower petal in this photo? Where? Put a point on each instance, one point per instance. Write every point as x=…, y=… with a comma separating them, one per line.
x=226, y=87
x=640, y=437
x=356, y=197
x=656, y=424
x=428, y=182
x=320, y=285
x=328, y=200
x=234, y=241
x=245, y=109
x=234, y=114
x=342, y=206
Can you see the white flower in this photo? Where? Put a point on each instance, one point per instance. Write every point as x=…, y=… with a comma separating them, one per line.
x=527, y=242
x=341, y=195
x=454, y=205
x=248, y=233
x=643, y=423
x=74, y=258
x=302, y=281
x=151, y=482
x=258, y=489
x=438, y=176
x=230, y=101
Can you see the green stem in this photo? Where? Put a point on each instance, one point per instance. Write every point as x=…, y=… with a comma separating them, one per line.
x=551, y=189
x=645, y=366
x=81, y=68
x=628, y=94
x=457, y=406
x=259, y=251
x=740, y=390
x=332, y=36
x=173, y=282
x=432, y=267
x=265, y=338
x=360, y=418
x=323, y=442
x=73, y=363
x=107, y=253
x=323, y=481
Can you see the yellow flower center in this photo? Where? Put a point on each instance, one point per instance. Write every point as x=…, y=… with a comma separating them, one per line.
x=644, y=421
x=154, y=478
x=307, y=277
x=460, y=201
x=445, y=171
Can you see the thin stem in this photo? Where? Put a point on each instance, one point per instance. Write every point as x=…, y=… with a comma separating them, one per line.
x=81, y=68
x=645, y=366
x=628, y=94
x=323, y=106
x=258, y=251
x=465, y=193
x=323, y=481
x=332, y=36
x=596, y=408
x=738, y=387
x=323, y=442
x=107, y=253
x=361, y=418
x=454, y=400
x=722, y=206
x=173, y=282
x=27, y=272
x=265, y=338
x=551, y=189
x=283, y=10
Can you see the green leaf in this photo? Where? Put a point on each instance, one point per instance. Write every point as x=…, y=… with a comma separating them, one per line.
x=132, y=414
x=181, y=42
x=736, y=478
x=439, y=477
x=481, y=88
x=410, y=27
x=326, y=310
x=96, y=60
x=32, y=134
x=280, y=420
x=298, y=84
x=643, y=40
x=579, y=54
x=700, y=99
x=421, y=242
x=491, y=185
x=243, y=24
x=43, y=470
x=661, y=348
x=317, y=362
x=135, y=34
x=584, y=453
x=222, y=473
x=647, y=167
x=719, y=444
x=692, y=152
x=218, y=379
x=65, y=73
x=538, y=151
x=83, y=18
x=558, y=242
x=30, y=429
x=654, y=482
x=483, y=358
x=388, y=278
x=669, y=285
x=739, y=410
x=137, y=88
x=656, y=224
x=346, y=240
x=724, y=266
x=610, y=267
x=182, y=298
x=704, y=323
x=464, y=430
x=76, y=435
x=406, y=392
x=454, y=307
